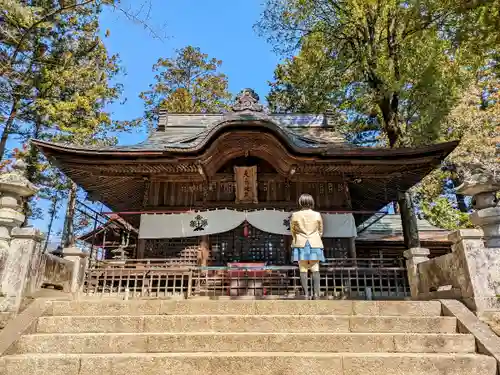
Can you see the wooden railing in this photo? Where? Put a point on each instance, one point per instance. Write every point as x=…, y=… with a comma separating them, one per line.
x=340, y=278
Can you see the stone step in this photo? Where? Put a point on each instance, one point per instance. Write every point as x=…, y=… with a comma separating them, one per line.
x=249, y=364
x=259, y=307
x=244, y=342
x=245, y=323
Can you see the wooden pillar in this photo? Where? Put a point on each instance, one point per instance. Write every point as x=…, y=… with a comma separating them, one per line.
x=203, y=255
x=141, y=247
x=288, y=249
x=408, y=221
x=352, y=247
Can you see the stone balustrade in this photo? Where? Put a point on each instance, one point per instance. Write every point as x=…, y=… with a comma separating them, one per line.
x=24, y=268
x=49, y=270
x=471, y=272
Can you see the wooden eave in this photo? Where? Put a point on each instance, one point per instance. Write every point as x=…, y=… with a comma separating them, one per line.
x=328, y=152
x=119, y=177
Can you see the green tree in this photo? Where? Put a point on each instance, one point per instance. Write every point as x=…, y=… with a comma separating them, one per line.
x=70, y=87
x=475, y=121
x=79, y=116
x=381, y=60
x=305, y=84
x=397, y=65
x=190, y=82
x=29, y=36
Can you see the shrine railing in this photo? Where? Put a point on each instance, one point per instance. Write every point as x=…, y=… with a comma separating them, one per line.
x=340, y=279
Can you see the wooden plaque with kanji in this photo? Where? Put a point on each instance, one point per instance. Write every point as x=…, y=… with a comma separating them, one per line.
x=246, y=184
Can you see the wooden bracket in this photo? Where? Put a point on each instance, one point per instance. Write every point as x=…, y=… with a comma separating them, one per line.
x=202, y=172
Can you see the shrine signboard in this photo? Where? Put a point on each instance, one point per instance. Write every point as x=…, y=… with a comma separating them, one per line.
x=246, y=184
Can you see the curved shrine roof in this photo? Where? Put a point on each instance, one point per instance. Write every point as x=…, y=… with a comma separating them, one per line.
x=190, y=132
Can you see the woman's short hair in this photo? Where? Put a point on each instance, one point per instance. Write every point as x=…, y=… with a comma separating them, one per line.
x=306, y=201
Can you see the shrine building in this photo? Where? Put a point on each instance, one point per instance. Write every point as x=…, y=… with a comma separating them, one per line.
x=232, y=180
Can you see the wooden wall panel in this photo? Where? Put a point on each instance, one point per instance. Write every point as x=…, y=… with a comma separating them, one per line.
x=328, y=195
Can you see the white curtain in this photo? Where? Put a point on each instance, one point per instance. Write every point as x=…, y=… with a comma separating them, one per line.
x=189, y=224
x=193, y=224
x=278, y=222
x=271, y=221
x=339, y=226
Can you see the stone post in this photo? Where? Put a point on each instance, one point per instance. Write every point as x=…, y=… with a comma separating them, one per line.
x=469, y=251
x=414, y=257
x=25, y=249
x=479, y=252
x=14, y=186
x=77, y=256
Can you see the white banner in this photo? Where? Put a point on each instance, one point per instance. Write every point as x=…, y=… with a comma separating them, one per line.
x=189, y=224
x=194, y=224
x=278, y=222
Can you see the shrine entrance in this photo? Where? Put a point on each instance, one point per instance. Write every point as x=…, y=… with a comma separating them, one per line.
x=242, y=244
x=245, y=243
x=249, y=244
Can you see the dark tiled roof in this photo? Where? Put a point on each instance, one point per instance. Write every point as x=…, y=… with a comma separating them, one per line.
x=188, y=131
x=389, y=227
x=304, y=131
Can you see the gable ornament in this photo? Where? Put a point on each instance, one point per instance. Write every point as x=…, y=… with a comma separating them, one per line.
x=247, y=100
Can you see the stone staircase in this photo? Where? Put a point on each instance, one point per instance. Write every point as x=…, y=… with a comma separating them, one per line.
x=202, y=337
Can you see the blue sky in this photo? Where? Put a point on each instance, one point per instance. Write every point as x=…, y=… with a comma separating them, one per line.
x=221, y=28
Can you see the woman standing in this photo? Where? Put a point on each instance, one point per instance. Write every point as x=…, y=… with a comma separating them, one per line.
x=306, y=226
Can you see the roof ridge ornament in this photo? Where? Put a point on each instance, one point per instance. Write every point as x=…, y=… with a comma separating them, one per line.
x=247, y=100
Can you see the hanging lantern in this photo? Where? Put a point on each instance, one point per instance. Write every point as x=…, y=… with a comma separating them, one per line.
x=246, y=230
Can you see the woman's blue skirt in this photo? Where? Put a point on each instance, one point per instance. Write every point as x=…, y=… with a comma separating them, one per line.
x=307, y=253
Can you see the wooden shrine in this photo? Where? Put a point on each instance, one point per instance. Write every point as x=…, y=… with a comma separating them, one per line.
x=244, y=160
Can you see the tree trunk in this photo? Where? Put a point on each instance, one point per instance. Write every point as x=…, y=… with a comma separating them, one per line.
x=462, y=205
x=53, y=211
x=408, y=221
x=69, y=231
x=389, y=106
x=31, y=171
x=8, y=128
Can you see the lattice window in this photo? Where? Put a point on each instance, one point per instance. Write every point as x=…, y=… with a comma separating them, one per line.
x=233, y=246
x=336, y=247
x=172, y=248
x=259, y=246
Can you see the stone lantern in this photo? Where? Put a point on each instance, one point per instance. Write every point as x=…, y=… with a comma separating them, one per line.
x=13, y=187
x=479, y=251
x=16, y=244
x=483, y=189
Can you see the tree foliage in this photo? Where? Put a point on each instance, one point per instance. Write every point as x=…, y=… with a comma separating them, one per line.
x=379, y=61
x=475, y=121
x=47, y=46
x=402, y=71
x=190, y=82
x=56, y=84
